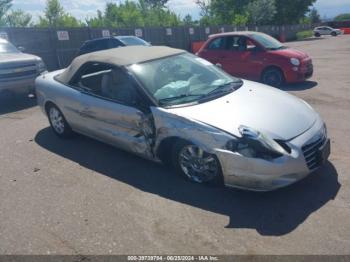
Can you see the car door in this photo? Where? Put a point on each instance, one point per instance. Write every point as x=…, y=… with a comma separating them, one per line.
x=214, y=51
x=112, y=109
x=242, y=57
x=250, y=57
x=326, y=31
x=218, y=53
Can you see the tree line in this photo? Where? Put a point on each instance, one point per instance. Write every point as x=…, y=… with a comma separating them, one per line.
x=156, y=13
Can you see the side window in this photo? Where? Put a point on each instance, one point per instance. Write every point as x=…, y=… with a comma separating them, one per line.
x=117, y=85
x=90, y=76
x=108, y=82
x=251, y=45
x=239, y=44
x=102, y=44
x=217, y=44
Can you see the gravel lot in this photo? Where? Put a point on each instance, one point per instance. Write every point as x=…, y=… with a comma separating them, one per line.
x=83, y=197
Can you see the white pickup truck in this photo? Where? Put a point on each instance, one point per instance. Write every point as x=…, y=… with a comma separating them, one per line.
x=18, y=70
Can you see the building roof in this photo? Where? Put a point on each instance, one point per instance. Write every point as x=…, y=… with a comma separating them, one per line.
x=122, y=56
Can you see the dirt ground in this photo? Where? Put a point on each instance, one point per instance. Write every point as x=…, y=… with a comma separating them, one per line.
x=83, y=197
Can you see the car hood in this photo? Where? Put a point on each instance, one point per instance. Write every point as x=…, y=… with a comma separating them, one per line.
x=291, y=53
x=17, y=57
x=269, y=110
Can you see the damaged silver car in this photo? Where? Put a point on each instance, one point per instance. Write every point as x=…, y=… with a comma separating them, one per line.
x=167, y=105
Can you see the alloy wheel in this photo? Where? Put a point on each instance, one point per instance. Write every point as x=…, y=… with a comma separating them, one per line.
x=57, y=120
x=198, y=165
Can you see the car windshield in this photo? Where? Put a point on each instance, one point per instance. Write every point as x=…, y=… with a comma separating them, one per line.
x=7, y=48
x=268, y=42
x=133, y=41
x=184, y=78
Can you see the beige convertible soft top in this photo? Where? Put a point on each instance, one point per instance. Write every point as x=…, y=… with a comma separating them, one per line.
x=122, y=56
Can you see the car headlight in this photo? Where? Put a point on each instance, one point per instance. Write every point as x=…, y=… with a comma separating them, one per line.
x=41, y=66
x=295, y=61
x=255, y=144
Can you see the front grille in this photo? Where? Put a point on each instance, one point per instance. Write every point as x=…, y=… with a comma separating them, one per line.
x=310, y=152
x=19, y=74
x=309, y=70
x=12, y=72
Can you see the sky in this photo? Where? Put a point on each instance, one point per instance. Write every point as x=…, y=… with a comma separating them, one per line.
x=88, y=8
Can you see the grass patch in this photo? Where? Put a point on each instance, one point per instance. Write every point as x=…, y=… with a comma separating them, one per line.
x=304, y=34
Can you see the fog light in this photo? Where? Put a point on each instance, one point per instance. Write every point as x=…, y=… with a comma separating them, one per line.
x=295, y=68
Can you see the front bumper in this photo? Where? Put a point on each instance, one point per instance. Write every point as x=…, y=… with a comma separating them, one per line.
x=18, y=85
x=300, y=73
x=262, y=175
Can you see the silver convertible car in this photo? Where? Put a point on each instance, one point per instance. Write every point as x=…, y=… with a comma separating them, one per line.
x=167, y=105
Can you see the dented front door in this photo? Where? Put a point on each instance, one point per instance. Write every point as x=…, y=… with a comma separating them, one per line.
x=117, y=124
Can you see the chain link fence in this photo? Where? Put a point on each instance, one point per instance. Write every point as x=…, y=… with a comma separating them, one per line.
x=58, y=47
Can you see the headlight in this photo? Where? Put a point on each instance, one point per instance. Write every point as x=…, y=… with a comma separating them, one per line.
x=41, y=66
x=255, y=144
x=295, y=61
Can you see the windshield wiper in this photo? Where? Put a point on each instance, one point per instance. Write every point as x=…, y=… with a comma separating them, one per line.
x=169, y=99
x=221, y=89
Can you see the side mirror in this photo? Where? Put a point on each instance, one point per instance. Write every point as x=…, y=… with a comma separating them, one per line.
x=21, y=48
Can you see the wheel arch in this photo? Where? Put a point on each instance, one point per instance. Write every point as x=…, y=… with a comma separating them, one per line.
x=164, y=149
x=49, y=103
x=272, y=67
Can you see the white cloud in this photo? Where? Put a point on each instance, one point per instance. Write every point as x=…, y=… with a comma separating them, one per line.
x=83, y=8
x=184, y=7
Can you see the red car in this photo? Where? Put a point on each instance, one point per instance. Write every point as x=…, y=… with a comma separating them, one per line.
x=258, y=57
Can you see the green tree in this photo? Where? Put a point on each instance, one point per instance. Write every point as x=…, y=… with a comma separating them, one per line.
x=55, y=16
x=123, y=15
x=18, y=18
x=5, y=5
x=261, y=12
x=188, y=20
x=156, y=3
x=342, y=17
x=289, y=12
x=314, y=16
x=226, y=11
x=134, y=13
x=97, y=21
x=240, y=19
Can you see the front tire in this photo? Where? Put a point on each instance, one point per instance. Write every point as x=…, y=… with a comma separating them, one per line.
x=196, y=165
x=334, y=34
x=58, y=123
x=273, y=77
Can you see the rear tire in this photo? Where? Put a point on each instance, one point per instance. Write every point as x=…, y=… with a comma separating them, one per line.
x=58, y=123
x=195, y=164
x=317, y=34
x=273, y=77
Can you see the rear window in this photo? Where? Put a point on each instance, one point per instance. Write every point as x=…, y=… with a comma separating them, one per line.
x=133, y=41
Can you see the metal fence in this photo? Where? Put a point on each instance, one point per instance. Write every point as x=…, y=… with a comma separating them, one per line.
x=58, y=47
